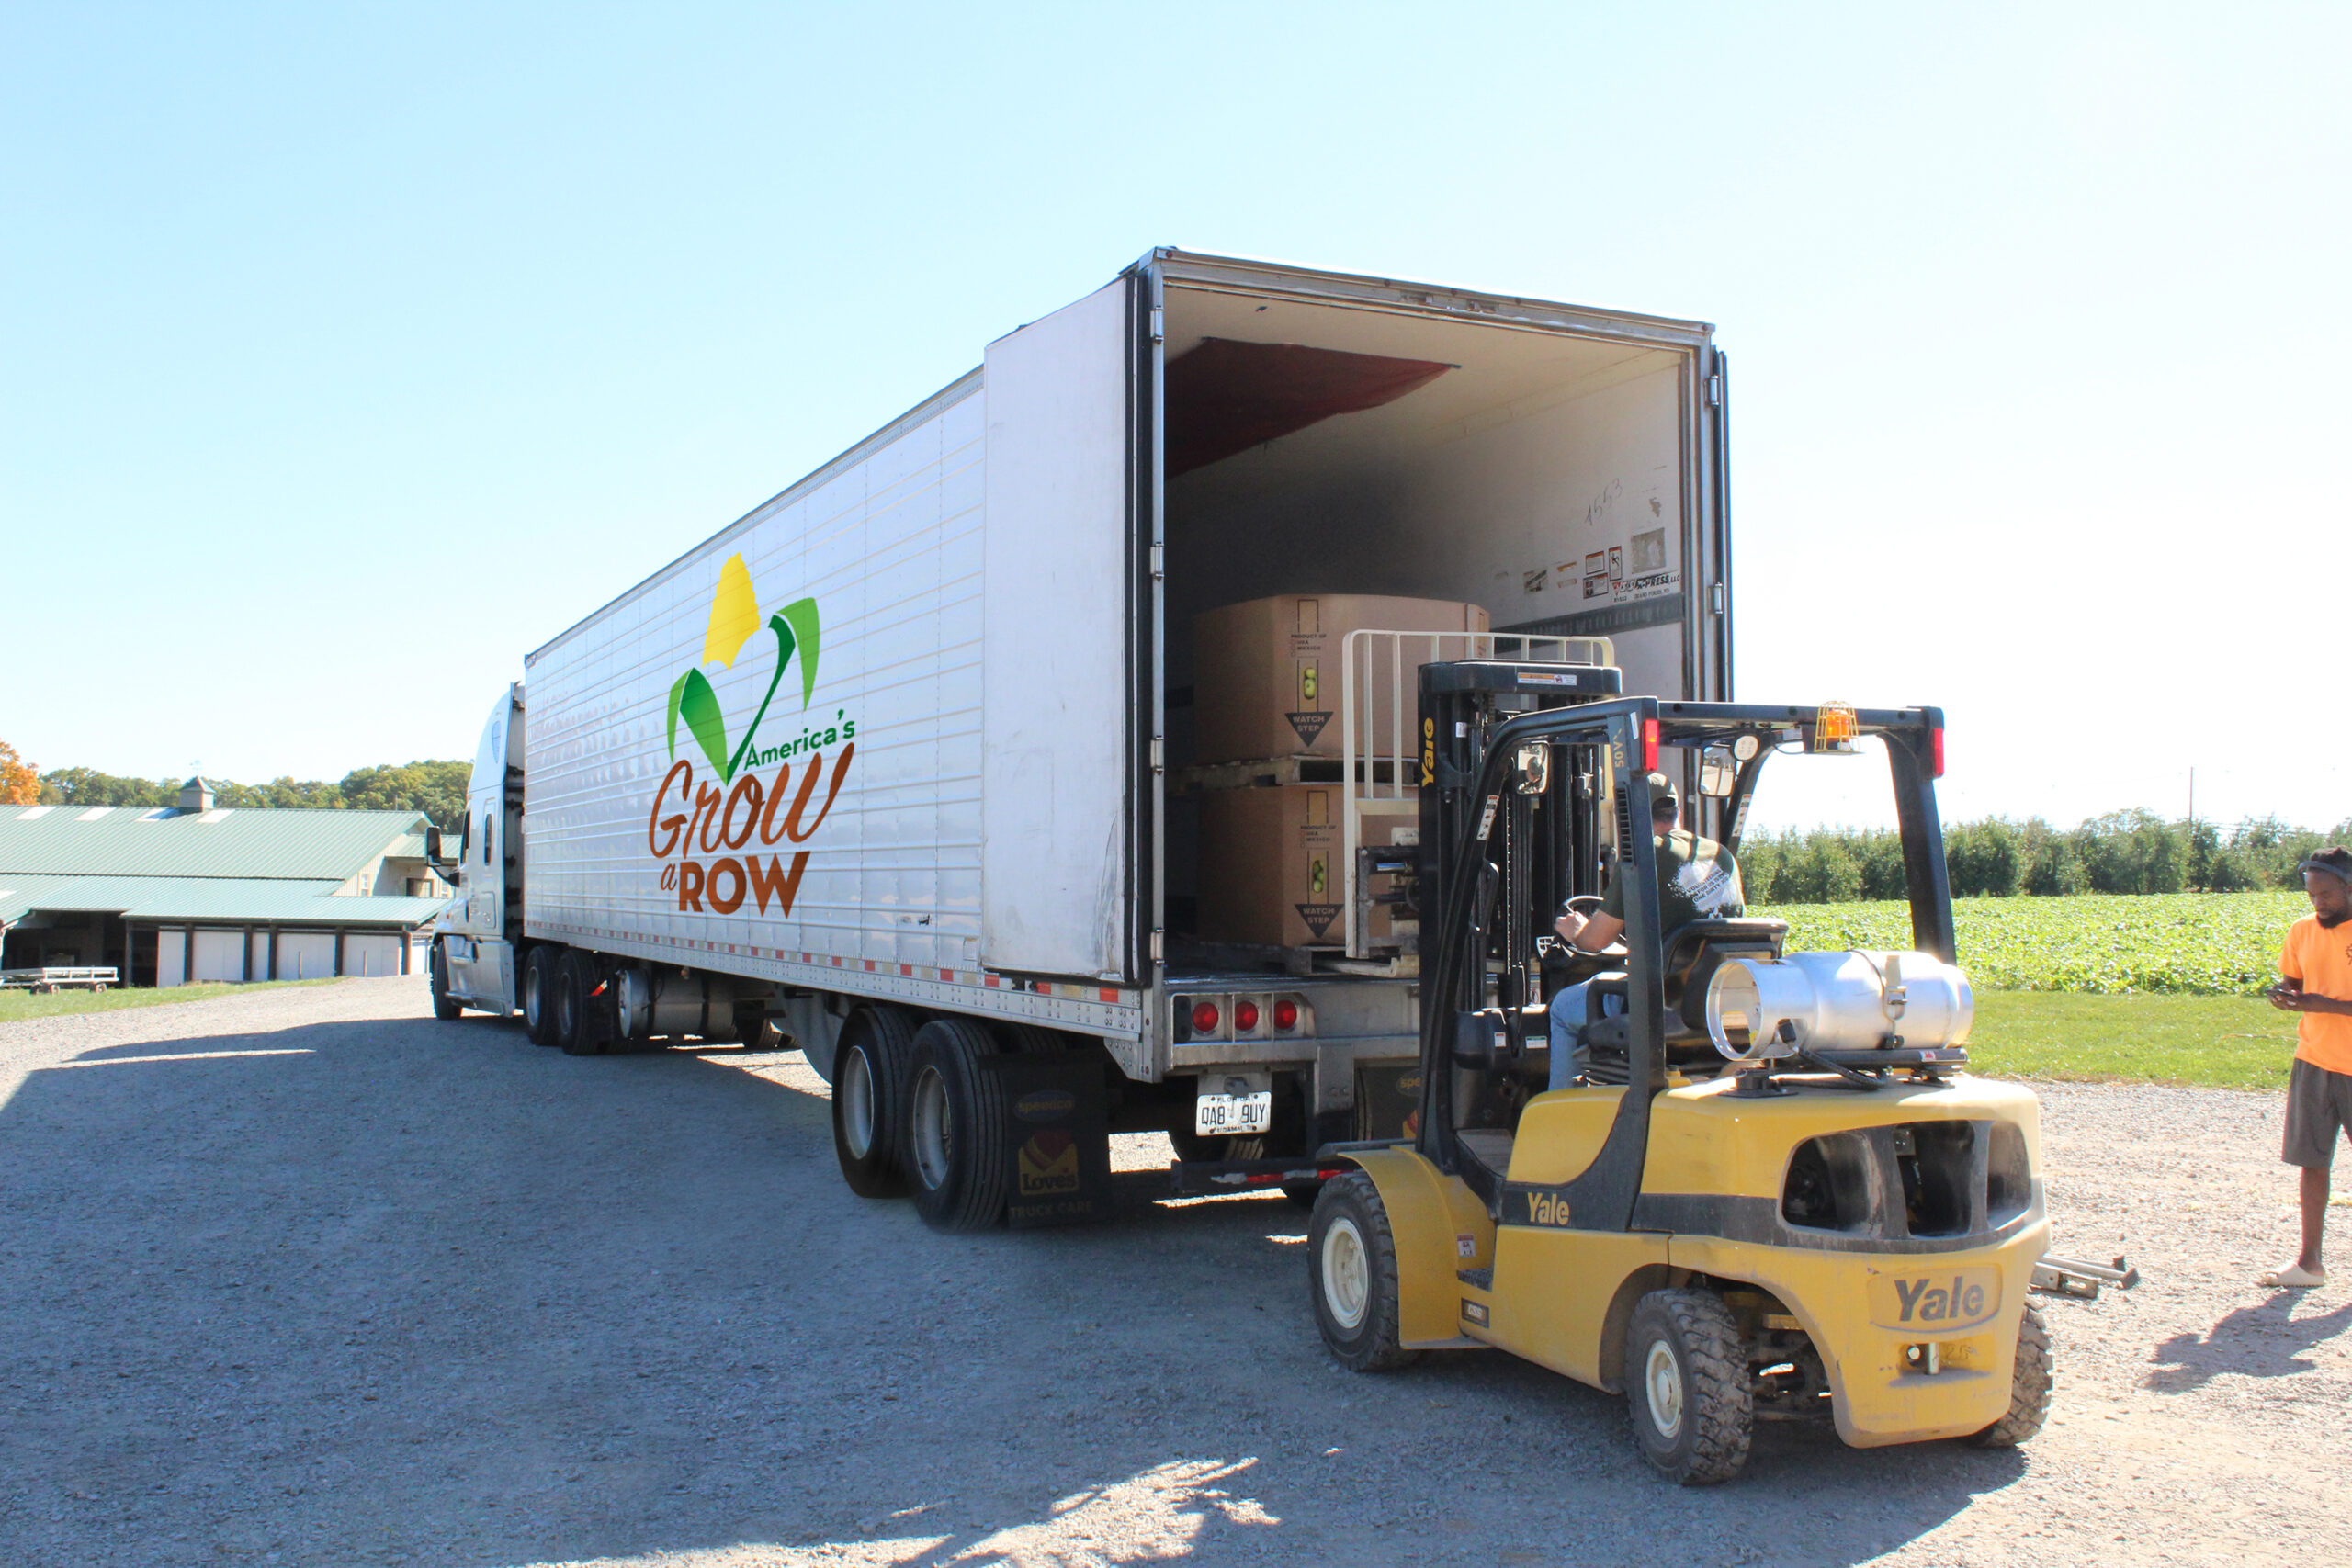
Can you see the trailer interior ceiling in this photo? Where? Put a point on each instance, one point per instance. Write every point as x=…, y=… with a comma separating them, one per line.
x=1419, y=454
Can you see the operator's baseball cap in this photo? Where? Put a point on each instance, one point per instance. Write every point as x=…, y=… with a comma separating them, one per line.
x=2335, y=859
x=1661, y=789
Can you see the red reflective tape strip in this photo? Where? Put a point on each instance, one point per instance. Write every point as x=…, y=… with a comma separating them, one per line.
x=1110, y=995
x=947, y=974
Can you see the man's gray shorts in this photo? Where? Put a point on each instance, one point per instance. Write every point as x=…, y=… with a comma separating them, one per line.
x=2318, y=1103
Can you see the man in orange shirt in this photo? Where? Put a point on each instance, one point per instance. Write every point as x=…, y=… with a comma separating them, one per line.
x=2317, y=970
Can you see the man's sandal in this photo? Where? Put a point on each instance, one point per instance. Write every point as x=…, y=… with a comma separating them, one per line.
x=2294, y=1277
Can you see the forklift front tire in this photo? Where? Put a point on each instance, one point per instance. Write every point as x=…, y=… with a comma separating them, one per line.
x=2029, y=1387
x=1686, y=1387
x=1352, y=1272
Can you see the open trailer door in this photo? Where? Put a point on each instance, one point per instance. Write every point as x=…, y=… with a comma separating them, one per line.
x=1063, y=596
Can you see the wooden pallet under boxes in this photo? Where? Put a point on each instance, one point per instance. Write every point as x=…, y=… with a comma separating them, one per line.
x=1270, y=870
x=1266, y=672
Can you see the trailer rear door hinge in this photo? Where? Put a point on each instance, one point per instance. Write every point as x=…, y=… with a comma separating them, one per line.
x=1716, y=598
x=1159, y=326
x=1159, y=945
x=1715, y=392
x=1159, y=563
x=1158, y=754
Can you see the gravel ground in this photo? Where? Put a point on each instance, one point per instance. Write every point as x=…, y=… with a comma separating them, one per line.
x=305, y=1277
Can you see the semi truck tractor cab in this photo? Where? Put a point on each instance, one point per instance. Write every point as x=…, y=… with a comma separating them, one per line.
x=1774, y=1192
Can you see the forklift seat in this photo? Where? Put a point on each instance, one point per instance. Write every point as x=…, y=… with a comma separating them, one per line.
x=1695, y=952
x=1692, y=955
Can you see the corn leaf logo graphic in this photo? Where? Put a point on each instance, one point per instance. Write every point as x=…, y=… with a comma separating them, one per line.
x=734, y=620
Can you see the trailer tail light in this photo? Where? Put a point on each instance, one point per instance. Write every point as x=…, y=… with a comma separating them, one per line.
x=1649, y=745
x=1286, y=1015
x=1245, y=1017
x=1936, y=752
x=1204, y=1016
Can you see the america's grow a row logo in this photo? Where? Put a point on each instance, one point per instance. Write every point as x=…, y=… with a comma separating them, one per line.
x=709, y=846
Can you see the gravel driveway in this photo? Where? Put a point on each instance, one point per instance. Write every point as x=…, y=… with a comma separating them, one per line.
x=305, y=1277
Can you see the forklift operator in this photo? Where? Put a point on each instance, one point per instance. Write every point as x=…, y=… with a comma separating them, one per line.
x=1697, y=879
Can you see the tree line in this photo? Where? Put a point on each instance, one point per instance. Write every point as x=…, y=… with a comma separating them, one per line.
x=436, y=788
x=2123, y=851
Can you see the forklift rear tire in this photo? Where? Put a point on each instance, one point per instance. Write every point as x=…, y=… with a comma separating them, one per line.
x=444, y=1006
x=956, y=1151
x=538, y=994
x=1686, y=1387
x=2029, y=1385
x=869, y=1099
x=1351, y=1273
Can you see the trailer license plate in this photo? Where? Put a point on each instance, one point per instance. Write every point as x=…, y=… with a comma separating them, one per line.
x=1214, y=1115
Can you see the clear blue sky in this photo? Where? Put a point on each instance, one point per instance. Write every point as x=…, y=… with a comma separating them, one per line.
x=351, y=352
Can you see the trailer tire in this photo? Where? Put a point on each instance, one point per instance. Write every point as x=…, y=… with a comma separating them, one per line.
x=1352, y=1274
x=869, y=1081
x=1686, y=1387
x=575, y=975
x=538, y=993
x=956, y=1154
x=436, y=963
x=2030, y=1384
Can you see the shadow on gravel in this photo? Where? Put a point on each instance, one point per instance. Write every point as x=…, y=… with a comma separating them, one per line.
x=2266, y=1341
x=400, y=1291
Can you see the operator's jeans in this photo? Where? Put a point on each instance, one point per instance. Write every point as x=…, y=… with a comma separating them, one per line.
x=1569, y=1055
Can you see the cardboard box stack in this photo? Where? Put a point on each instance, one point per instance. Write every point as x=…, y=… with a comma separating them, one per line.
x=1267, y=685
x=1266, y=673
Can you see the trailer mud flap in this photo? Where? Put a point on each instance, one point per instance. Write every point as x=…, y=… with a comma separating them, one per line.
x=1056, y=1136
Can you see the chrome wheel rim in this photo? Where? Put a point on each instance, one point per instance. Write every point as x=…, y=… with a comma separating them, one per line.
x=934, y=1129
x=856, y=1093
x=1347, y=1273
x=1662, y=1385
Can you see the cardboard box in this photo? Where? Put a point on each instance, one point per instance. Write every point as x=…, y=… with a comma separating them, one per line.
x=1266, y=672
x=1270, y=869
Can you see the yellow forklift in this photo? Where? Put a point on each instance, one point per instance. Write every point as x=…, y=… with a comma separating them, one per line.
x=1774, y=1193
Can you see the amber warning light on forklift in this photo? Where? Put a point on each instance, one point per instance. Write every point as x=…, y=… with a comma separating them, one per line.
x=1834, y=727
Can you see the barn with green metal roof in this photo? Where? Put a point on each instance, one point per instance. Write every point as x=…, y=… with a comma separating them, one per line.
x=171, y=895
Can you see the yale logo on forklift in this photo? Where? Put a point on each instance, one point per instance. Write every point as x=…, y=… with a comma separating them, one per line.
x=1947, y=1298
x=1546, y=1209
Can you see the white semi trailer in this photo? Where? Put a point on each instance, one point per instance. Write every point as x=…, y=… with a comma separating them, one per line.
x=900, y=763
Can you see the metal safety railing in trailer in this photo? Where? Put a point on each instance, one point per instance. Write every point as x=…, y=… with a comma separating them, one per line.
x=1380, y=742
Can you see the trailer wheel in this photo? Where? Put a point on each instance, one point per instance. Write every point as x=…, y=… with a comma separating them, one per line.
x=2029, y=1383
x=575, y=974
x=869, y=1099
x=1352, y=1274
x=1686, y=1387
x=444, y=1006
x=955, y=1150
x=538, y=993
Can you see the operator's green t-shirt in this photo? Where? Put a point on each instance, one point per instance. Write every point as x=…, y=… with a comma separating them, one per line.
x=1697, y=880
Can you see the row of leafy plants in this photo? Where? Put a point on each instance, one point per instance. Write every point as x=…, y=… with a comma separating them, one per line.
x=2123, y=851
x=2181, y=943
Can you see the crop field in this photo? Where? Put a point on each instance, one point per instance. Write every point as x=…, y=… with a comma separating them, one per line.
x=2204, y=944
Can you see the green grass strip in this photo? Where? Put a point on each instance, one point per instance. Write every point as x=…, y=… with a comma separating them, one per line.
x=17, y=1004
x=2207, y=1042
